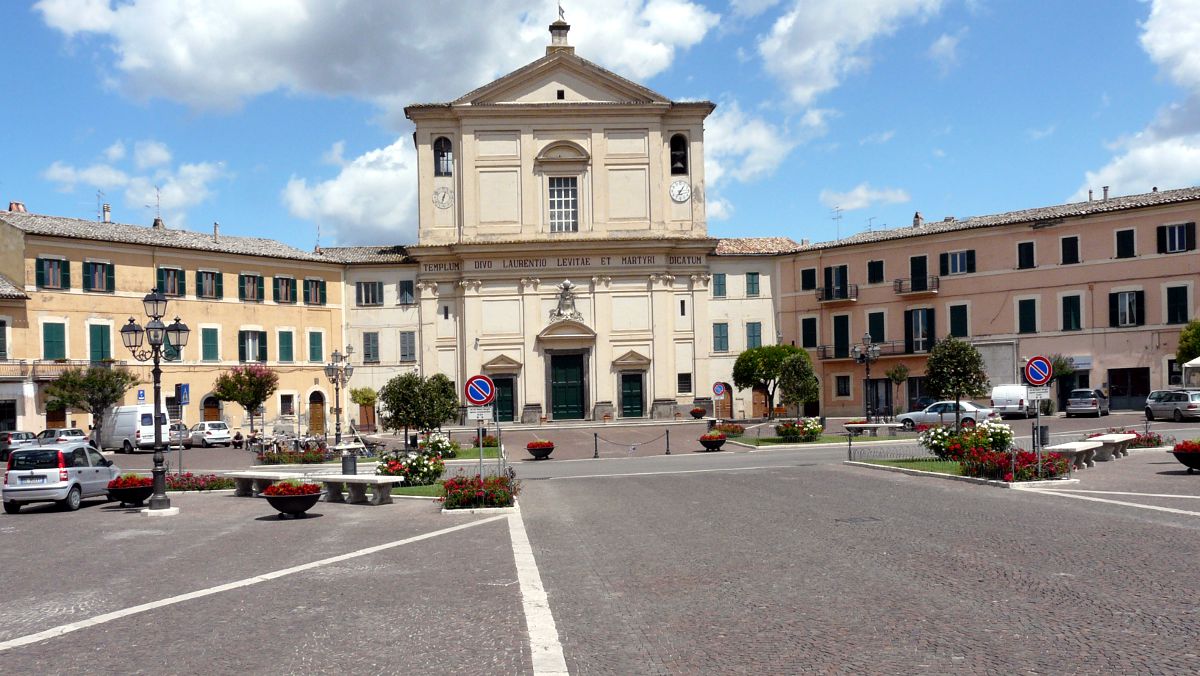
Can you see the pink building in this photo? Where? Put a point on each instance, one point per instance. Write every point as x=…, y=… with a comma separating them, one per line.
x=1109, y=283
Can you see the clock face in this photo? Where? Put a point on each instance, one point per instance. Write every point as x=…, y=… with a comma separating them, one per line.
x=680, y=191
x=443, y=198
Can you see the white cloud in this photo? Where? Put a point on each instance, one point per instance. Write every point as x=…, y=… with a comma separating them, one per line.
x=1169, y=37
x=218, y=53
x=938, y=153
x=102, y=176
x=944, y=51
x=150, y=154
x=1044, y=132
x=814, y=45
x=372, y=200
x=740, y=146
x=718, y=209
x=749, y=8
x=862, y=196
x=115, y=152
x=1166, y=163
x=878, y=138
x=336, y=154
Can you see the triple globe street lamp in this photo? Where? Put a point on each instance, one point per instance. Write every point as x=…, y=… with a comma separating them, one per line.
x=158, y=338
x=338, y=371
x=866, y=353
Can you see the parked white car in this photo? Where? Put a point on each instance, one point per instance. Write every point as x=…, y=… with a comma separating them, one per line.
x=1013, y=400
x=63, y=473
x=210, y=433
x=942, y=413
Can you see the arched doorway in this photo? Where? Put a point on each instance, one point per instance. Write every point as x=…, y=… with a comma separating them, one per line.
x=210, y=409
x=316, y=413
x=723, y=404
x=758, y=404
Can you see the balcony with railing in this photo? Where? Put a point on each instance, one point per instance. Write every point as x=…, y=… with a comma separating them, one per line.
x=887, y=348
x=14, y=369
x=837, y=294
x=50, y=369
x=917, y=285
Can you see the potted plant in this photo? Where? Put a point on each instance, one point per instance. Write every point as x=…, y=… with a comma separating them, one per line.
x=698, y=412
x=292, y=497
x=540, y=449
x=130, y=489
x=1188, y=453
x=713, y=441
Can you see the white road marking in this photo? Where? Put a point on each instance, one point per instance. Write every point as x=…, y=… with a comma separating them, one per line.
x=1144, y=495
x=681, y=471
x=539, y=620
x=200, y=593
x=1170, y=510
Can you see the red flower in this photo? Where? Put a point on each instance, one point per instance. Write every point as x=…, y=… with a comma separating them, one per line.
x=289, y=488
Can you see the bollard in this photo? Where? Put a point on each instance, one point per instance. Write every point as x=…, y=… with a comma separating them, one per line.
x=668, y=442
x=349, y=463
x=595, y=445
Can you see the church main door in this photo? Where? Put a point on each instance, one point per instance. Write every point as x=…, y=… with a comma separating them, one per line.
x=631, y=396
x=506, y=399
x=566, y=386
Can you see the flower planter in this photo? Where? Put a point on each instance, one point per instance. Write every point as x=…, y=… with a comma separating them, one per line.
x=1189, y=460
x=134, y=496
x=294, y=505
x=541, y=453
x=697, y=414
x=712, y=444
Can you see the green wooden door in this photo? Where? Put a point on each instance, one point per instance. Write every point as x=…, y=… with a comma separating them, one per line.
x=506, y=399
x=566, y=386
x=631, y=395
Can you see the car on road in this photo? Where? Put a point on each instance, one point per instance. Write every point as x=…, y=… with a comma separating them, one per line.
x=942, y=413
x=15, y=439
x=66, y=473
x=60, y=435
x=210, y=433
x=1177, y=405
x=922, y=402
x=1083, y=401
x=1013, y=400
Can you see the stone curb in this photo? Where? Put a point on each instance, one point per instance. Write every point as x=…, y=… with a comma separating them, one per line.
x=1019, y=485
x=515, y=509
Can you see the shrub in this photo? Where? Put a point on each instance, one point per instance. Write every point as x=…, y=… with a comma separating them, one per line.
x=462, y=492
x=198, y=482
x=937, y=439
x=1148, y=440
x=539, y=443
x=993, y=434
x=730, y=429
x=1188, y=446
x=131, y=480
x=308, y=457
x=489, y=441
x=987, y=464
x=713, y=436
x=806, y=429
x=440, y=445
x=292, y=487
x=419, y=470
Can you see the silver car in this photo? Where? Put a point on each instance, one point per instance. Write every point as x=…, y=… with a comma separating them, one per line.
x=63, y=473
x=210, y=433
x=60, y=435
x=10, y=441
x=942, y=413
x=1083, y=401
x=1177, y=405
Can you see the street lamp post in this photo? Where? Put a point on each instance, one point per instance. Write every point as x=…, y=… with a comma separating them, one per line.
x=158, y=337
x=338, y=371
x=864, y=354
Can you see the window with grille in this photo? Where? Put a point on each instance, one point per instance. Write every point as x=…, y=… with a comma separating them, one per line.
x=684, y=383
x=564, y=204
x=287, y=404
x=843, y=386
x=443, y=157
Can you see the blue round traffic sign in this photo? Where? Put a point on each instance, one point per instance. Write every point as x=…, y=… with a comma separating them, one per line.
x=718, y=389
x=480, y=390
x=1038, y=371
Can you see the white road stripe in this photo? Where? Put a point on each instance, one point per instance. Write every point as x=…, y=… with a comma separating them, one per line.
x=1170, y=510
x=681, y=471
x=1144, y=495
x=539, y=621
x=126, y=612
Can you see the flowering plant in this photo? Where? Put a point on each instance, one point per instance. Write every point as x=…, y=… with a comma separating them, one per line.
x=308, y=457
x=292, y=487
x=439, y=444
x=419, y=470
x=937, y=439
x=991, y=433
x=730, y=429
x=698, y=411
x=713, y=436
x=493, y=491
x=1188, y=446
x=805, y=429
x=1147, y=440
x=198, y=482
x=539, y=443
x=131, y=480
x=987, y=464
x=489, y=441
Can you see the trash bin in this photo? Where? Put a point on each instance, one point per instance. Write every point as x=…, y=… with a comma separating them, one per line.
x=349, y=463
x=1043, y=435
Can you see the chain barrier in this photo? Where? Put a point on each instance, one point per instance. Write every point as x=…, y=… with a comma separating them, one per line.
x=596, y=439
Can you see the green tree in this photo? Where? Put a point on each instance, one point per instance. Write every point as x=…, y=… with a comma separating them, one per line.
x=797, y=382
x=1189, y=343
x=248, y=386
x=955, y=370
x=92, y=389
x=412, y=402
x=898, y=374
x=363, y=396
x=761, y=367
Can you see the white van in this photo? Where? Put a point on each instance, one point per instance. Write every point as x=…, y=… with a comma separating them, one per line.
x=1013, y=400
x=127, y=428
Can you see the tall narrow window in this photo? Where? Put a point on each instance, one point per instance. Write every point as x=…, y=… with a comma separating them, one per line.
x=959, y=326
x=408, y=346
x=286, y=347
x=874, y=272
x=171, y=281
x=54, y=340
x=679, y=154
x=564, y=204
x=720, y=337
x=443, y=157
x=1127, y=308
x=843, y=386
x=919, y=335
x=808, y=279
x=1072, y=315
x=875, y=326
x=808, y=332
x=314, y=292
x=285, y=289
x=209, y=344
x=371, y=347
x=718, y=287
x=208, y=284
x=1177, y=305
x=406, y=292
x=841, y=336
x=751, y=283
x=99, y=344
x=1070, y=250
x=753, y=334
x=1025, y=257
x=1027, y=315
x=250, y=287
x=316, y=352
x=3, y=339
x=1125, y=245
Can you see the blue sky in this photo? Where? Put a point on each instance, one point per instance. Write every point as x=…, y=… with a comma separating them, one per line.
x=278, y=116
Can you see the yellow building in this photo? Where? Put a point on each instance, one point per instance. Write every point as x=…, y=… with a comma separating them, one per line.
x=68, y=285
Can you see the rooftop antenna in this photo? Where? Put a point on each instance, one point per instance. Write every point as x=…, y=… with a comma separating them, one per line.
x=837, y=217
x=870, y=220
x=99, y=205
x=317, y=248
x=157, y=202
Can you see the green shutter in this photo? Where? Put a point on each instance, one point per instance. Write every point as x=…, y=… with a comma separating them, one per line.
x=241, y=346
x=275, y=289
x=241, y=287
x=110, y=277
x=316, y=351
x=162, y=281
x=220, y=286
x=54, y=341
x=183, y=282
x=66, y=275
x=3, y=340
x=39, y=267
x=87, y=275
x=261, y=289
x=262, y=346
x=285, y=346
x=208, y=339
x=100, y=348
x=199, y=284
x=322, y=292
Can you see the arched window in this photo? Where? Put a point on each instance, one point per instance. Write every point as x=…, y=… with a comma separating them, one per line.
x=679, y=154
x=443, y=157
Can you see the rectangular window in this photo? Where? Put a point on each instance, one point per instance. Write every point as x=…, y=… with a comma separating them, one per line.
x=957, y=262
x=250, y=288
x=210, y=346
x=314, y=292
x=720, y=337
x=808, y=332
x=683, y=383
x=808, y=279
x=1070, y=250
x=53, y=273
x=371, y=347
x=287, y=404
x=1027, y=315
x=1125, y=248
x=718, y=287
x=919, y=330
x=682, y=308
x=407, y=296
x=837, y=282
x=960, y=326
x=283, y=289
x=875, y=326
x=1174, y=373
x=208, y=284
x=316, y=351
x=368, y=293
x=171, y=352
x=408, y=346
x=1025, y=258
x=1127, y=308
x=874, y=272
x=99, y=345
x=287, y=352
x=753, y=334
x=1177, y=305
x=252, y=346
x=751, y=283
x=3, y=339
x=171, y=282
x=98, y=277
x=843, y=386
x=54, y=340
x=564, y=204
x=1072, y=313
x=1176, y=238
x=841, y=336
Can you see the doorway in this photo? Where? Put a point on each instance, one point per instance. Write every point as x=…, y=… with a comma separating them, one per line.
x=316, y=413
x=8, y=415
x=56, y=419
x=879, y=396
x=210, y=409
x=758, y=402
x=723, y=404
x=1128, y=388
x=632, y=400
x=566, y=387
x=506, y=399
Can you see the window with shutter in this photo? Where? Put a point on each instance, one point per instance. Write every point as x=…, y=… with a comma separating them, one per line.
x=875, y=326
x=3, y=339
x=407, y=296
x=1027, y=315
x=1070, y=250
x=286, y=353
x=1177, y=305
x=243, y=339
x=1025, y=256
x=751, y=283
x=54, y=340
x=209, y=344
x=753, y=334
x=1125, y=244
x=1126, y=308
x=720, y=337
x=874, y=272
x=408, y=346
x=316, y=351
x=370, y=348
x=53, y=273
x=959, y=323
x=1072, y=317
x=718, y=286
x=262, y=346
x=808, y=279
x=808, y=332
x=1176, y=238
x=841, y=336
x=99, y=343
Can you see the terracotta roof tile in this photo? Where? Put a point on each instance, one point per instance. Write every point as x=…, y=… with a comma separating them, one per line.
x=756, y=246
x=9, y=290
x=367, y=254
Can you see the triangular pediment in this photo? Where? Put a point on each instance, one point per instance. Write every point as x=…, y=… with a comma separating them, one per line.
x=580, y=80
x=567, y=329
x=502, y=364
x=632, y=359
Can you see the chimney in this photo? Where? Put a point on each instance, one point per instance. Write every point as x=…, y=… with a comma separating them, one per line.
x=918, y=221
x=107, y=210
x=1154, y=189
x=1105, y=193
x=558, y=35
x=1089, y=194
x=17, y=207
x=158, y=224
x=804, y=242
x=216, y=231
x=948, y=219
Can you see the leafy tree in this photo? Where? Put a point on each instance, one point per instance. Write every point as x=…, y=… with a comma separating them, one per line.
x=1189, y=343
x=91, y=389
x=363, y=396
x=898, y=374
x=955, y=370
x=761, y=367
x=797, y=382
x=410, y=401
x=248, y=386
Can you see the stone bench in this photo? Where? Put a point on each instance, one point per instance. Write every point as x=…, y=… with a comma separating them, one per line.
x=1079, y=453
x=1114, y=446
x=872, y=428
x=250, y=483
x=356, y=486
